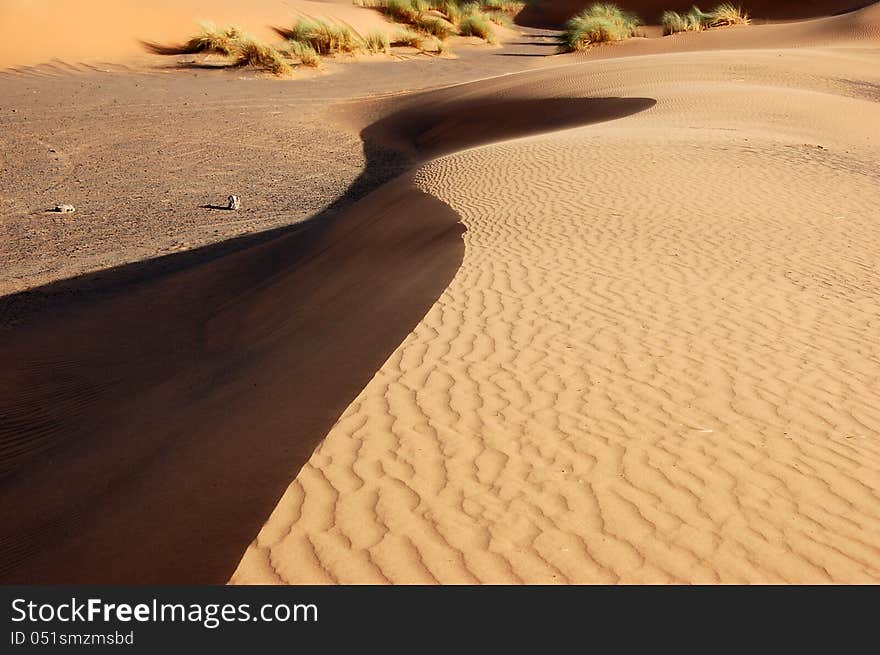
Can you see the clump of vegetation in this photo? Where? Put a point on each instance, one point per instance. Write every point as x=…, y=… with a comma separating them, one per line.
x=477, y=23
x=696, y=20
x=599, y=23
x=222, y=41
x=505, y=6
x=445, y=18
x=253, y=53
x=231, y=42
x=428, y=22
x=727, y=14
x=451, y=9
x=434, y=26
x=377, y=43
x=305, y=53
x=674, y=22
x=408, y=38
x=325, y=38
x=403, y=11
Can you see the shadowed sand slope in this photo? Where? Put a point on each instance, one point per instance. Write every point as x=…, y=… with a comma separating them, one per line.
x=467, y=116
x=143, y=451
x=145, y=438
x=658, y=362
x=553, y=13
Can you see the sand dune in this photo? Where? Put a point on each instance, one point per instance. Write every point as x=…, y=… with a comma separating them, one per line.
x=658, y=361
x=553, y=13
x=857, y=29
x=111, y=30
x=119, y=444
x=134, y=439
x=618, y=325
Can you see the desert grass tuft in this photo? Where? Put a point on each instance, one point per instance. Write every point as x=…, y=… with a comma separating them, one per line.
x=673, y=22
x=696, y=20
x=250, y=52
x=434, y=26
x=599, y=23
x=465, y=17
x=305, y=53
x=231, y=42
x=477, y=23
x=408, y=38
x=451, y=9
x=377, y=43
x=325, y=38
x=210, y=40
x=403, y=11
x=504, y=6
x=728, y=14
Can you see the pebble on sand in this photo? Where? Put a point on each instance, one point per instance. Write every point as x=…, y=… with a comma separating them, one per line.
x=65, y=209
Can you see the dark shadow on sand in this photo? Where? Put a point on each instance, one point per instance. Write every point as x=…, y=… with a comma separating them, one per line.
x=152, y=415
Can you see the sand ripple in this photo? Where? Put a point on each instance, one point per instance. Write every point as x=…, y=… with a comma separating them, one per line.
x=658, y=362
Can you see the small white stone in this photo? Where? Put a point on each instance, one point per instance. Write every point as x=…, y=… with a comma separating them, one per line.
x=65, y=209
x=234, y=202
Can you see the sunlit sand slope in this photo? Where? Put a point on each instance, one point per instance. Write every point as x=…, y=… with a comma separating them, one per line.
x=658, y=362
x=857, y=29
x=111, y=30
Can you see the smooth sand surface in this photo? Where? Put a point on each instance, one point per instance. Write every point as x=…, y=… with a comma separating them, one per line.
x=658, y=362
x=111, y=30
x=619, y=323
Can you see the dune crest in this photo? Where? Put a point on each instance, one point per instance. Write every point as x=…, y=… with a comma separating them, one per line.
x=603, y=321
x=118, y=441
x=640, y=373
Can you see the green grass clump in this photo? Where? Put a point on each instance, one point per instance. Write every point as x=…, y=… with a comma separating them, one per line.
x=696, y=20
x=477, y=23
x=231, y=42
x=434, y=26
x=254, y=53
x=599, y=23
x=305, y=53
x=403, y=11
x=673, y=22
x=451, y=9
x=465, y=17
x=377, y=43
x=408, y=38
x=728, y=14
x=325, y=38
x=505, y=6
x=210, y=40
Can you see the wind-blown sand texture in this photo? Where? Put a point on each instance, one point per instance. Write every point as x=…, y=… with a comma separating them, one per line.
x=658, y=362
x=619, y=323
